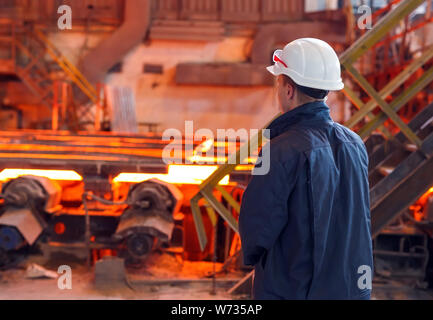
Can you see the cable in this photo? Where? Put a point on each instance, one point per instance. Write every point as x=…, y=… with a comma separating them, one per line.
x=102, y=200
x=86, y=196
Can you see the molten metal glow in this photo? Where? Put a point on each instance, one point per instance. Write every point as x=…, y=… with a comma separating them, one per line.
x=205, y=146
x=425, y=196
x=61, y=175
x=177, y=174
x=244, y=167
x=214, y=157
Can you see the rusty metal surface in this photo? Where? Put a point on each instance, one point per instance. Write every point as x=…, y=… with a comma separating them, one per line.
x=166, y=9
x=110, y=12
x=272, y=35
x=223, y=74
x=101, y=11
x=199, y=9
x=229, y=10
x=250, y=9
x=187, y=30
x=282, y=10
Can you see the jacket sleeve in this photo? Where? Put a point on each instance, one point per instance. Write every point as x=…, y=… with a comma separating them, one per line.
x=264, y=211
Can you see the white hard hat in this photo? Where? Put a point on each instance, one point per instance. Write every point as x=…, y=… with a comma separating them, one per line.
x=310, y=63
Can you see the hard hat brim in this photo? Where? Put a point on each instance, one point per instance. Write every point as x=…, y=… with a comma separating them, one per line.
x=273, y=70
x=276, y=71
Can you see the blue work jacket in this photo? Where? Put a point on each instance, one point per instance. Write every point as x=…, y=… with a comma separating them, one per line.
x=305, y=225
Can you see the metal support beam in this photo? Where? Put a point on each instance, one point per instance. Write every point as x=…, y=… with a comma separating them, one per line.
x=198, y=221
x=383, y=105
x=398, y=102
x=391, y=86
x=351, y=95
x=211, y=184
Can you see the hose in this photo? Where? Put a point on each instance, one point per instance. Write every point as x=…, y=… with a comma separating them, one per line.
x=87, y=196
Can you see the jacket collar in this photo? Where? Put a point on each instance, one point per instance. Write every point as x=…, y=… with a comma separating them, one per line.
x=309, y=113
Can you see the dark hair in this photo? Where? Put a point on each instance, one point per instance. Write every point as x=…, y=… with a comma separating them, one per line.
x=311, y=92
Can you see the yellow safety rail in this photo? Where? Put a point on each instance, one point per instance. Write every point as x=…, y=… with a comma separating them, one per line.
x=69, y=68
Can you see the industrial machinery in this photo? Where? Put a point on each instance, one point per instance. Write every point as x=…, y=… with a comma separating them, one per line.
x=31, y=208
x=148, y=221
x=102, y=193
x=27, y=203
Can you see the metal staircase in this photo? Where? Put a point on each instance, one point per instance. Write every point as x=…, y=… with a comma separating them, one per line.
x=7, y=35
x=28, y=53
x=400, y=173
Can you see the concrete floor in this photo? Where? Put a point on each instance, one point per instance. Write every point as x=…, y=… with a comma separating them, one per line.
x=164, y=277
x=14, y=285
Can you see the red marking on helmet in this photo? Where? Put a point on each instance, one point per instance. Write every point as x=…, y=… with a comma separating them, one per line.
x=276, y=59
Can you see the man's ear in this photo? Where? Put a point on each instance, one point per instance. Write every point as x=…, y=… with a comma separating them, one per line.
x=290, y=91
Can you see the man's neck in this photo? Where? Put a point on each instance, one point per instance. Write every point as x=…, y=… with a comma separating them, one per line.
x=305, y=101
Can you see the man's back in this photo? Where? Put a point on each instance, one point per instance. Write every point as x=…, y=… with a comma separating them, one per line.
x=306, y=225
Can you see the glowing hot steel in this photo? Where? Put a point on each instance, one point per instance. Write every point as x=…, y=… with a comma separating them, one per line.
x=177, y=174
x=61, y=175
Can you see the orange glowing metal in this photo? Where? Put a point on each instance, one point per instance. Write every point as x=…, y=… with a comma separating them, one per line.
x=219, y=160
x=206, y=146
x=61, y=175
x=204, y=159
x=244, y=167
x=222, y=144
x=177, y=174
x=203, y=148
x=426, y=195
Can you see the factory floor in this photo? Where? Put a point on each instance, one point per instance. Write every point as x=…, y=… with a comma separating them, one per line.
x=163, y=277
x=14, y=285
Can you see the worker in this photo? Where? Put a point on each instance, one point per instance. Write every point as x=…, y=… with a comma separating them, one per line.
x=305, y=225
